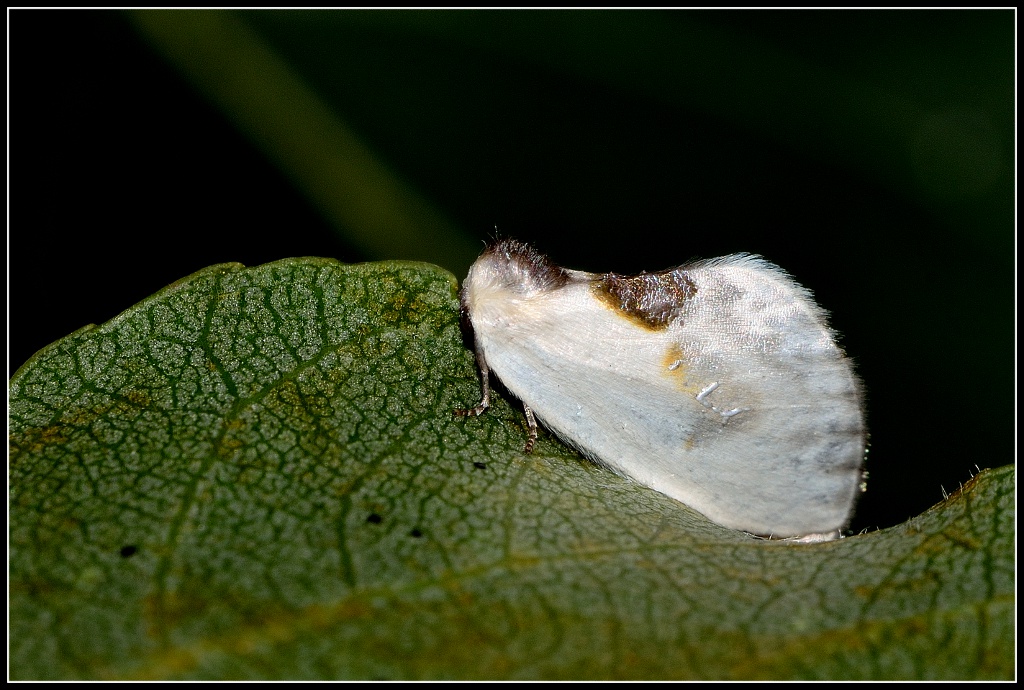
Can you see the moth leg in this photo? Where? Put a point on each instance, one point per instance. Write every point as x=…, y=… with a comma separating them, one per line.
x=485, y=389
x=485, y=402
x=531, y=421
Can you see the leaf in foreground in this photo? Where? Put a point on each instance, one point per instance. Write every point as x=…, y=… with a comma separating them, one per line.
x=256, y=473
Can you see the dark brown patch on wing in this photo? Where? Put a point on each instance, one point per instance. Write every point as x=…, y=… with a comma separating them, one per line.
x=652, y=300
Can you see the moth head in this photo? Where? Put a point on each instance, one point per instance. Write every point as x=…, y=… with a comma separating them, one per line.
x=508, y=269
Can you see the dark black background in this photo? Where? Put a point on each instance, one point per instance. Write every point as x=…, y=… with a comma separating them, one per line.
x=877, y=169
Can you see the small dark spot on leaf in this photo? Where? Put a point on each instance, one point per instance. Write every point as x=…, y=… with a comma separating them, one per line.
x=374, y=519
x=416, y=533
x=480, y=465
x=128, y=551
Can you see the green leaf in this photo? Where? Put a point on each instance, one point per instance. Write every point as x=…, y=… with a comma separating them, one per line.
x=256, y=473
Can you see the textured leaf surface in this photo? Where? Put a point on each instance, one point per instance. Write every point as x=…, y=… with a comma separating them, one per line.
x=256, y=473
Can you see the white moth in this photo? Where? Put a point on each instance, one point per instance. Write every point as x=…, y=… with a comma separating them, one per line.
x=716, y=383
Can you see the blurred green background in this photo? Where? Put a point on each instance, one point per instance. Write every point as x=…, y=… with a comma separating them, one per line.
x=869, y=153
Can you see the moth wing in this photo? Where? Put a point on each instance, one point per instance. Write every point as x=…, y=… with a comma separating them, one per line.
x=741, y=405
